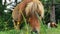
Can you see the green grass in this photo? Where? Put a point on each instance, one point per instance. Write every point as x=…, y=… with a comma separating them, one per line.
x=24, y=31
x=27, y=30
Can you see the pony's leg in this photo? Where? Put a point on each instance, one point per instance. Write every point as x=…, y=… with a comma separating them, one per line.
x=14, y=23
x=18, y=25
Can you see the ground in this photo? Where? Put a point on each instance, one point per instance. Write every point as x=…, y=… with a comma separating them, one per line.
x=44, y=30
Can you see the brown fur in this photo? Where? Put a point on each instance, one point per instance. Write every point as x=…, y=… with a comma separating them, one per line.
x=16, y=15
x=30, y=7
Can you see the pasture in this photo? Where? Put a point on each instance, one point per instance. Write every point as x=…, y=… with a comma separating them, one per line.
x=25, y=31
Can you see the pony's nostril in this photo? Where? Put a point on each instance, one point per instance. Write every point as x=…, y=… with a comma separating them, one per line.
x=34, y=32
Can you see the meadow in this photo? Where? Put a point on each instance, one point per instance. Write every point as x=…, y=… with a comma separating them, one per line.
x=24, y=30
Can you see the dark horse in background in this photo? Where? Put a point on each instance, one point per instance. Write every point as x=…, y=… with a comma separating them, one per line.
x=30, y=8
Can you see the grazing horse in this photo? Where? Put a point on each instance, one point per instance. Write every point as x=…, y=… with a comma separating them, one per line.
x=16, y=15
x=32, y=8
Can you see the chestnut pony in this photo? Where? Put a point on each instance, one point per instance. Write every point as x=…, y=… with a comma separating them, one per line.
x=30, y=8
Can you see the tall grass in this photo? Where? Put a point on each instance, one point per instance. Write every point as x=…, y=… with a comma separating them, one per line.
x=43, y=27
x=41, y=23
x=27, y=31
x=23, y=31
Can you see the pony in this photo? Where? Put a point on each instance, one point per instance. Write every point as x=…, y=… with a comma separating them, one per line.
x=30, y=8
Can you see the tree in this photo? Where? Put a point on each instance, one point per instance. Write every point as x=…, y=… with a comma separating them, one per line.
x=52, y=13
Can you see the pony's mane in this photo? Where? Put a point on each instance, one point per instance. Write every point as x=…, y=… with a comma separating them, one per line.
x=31, y=8
x=35, y=6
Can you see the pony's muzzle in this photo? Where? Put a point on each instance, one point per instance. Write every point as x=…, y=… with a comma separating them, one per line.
x=34, y=31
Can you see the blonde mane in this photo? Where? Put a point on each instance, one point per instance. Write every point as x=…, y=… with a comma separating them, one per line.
x=35, y=6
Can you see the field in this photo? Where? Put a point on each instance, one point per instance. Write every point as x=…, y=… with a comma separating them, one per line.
x=25, y=31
